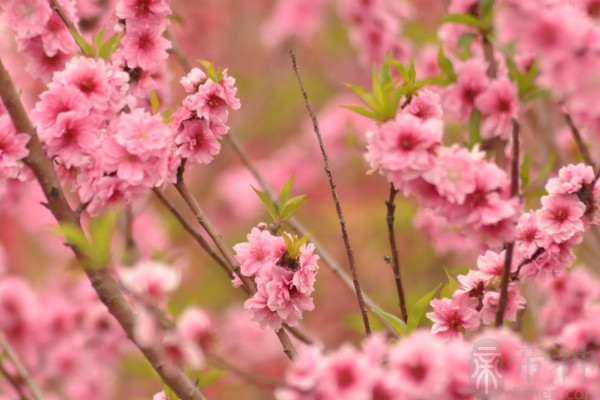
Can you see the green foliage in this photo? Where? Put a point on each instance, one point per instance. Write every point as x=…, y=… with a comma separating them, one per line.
x=417, y=310
x=464, y=43
x=109, y=47
x=387, y=91
x=209, y=376
x=287, y=207
x=446, y=65
x=392, y=322
x=87, y=48
x=293, y=243
x=98, y=248
x=525, y=169
x=450, y=287
x=474, y=127
x=462, y=19
x=211, y=71
x=154, y=101
x=486, y=14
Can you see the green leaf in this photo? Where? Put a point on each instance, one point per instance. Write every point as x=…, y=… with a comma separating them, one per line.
x=525, y=168
x=363, y=111
x=110, y=46
x=450, y=287
x=101, y=233
x=368, y=98
x=537, y=94
x=416, y=312
x=285, y=191
x=82, y=43
x=474, y=128
x=268, y=204
x=211, y=71
x=463, y=19
x=210, y=376
x=291, y=206
x=446, y=65
x=486, y=8
x=412, y=73
x=396, y=324
x=98, y=40
x=401, y=70
x=289, y=241
x=464, y=43
x=154, y=101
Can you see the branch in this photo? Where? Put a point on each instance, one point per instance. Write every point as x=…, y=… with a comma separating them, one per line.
x=177, y=52
x=22, y=376
x=510, y=247
x=332, y=186
x=391, y=208
x=581, y=145
x=67, y=21
x=101, y=279
x=132, y=254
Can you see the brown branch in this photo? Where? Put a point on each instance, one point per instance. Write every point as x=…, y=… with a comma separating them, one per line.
x=67, y=21
x=131, y=251
x=510, y=247
x=391, y=208
x=22, y=376
x=14, y=382
x=194, y=234
x=177, y=52
x=332, y=186
x=260, y=380
x=101, y=279
x=581, y=145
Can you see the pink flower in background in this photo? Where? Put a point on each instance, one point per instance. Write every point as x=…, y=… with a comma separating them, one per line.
x=472, y=81
x=27, y=17
x=515, y=302
x=147, y=11
x=498, y=104
x=13, y=148
x=151, y=280
x=571, y=179
x=194, y=324
x=425, y=105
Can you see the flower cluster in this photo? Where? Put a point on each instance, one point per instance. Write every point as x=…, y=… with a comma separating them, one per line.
x=41, y=34
x=421, y=366
x=375, y=28
x=143, y=51
x=544, y=246
x=106, y=154
x=563, y=38
x=63, y=334
x=284, y=281
x=149, y=284
x=12, y=149
x=470, y=192
x=201, y=121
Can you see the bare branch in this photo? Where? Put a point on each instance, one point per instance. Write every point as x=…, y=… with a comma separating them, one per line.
x=391, y=208
x=332, y=186
x=22, y=376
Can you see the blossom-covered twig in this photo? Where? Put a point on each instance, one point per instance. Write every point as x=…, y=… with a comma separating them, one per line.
x=101, y=279
x=332, y=186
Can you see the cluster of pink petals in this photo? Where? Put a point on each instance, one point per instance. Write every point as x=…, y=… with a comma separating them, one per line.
x=41, y=34
x=563, y=37
x=375, y=28
x=107, y=155
x=143, y=48
x=460, y=186
x=293, y=18
x=13, y=148
x=201, y=121
x=284, y=285
x=422, y=366
x=544, y=246
x=62, y=334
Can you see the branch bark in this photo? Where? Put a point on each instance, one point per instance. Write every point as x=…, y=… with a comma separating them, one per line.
x=22, y=376
x=101, y=279
x=391, y=209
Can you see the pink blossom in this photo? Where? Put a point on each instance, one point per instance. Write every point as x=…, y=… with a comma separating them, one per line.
x=56, y=37
x=452, y=316
x=13, y=148
x=58, y=100
x=514, y=303
x=498, y=104
x=454, y=173
x=194, y=324
x=144, y=46
x=147, y=11
x=472, y=81
x=27, y=17
x=260, y=252
x=346, y=376
x=152, y=280
x=425, y=105
x=72, y=138
x=571, y=179
x=491, y=264
x=421, y=375
x=561, y=216
x=529, y=237
x=192, y=81
x=197, y=141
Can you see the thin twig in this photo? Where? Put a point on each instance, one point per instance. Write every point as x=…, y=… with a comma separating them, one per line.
x=177, y=52
x=194, y=234
x=14, y=382
x=101, y=279
x=581, y=145
x=132, y=254
x=217, y=238
x=391, y=209
x=510, y=247
x=22, y=375
x=67, y=21
x=332, y=186
x=260, y=380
